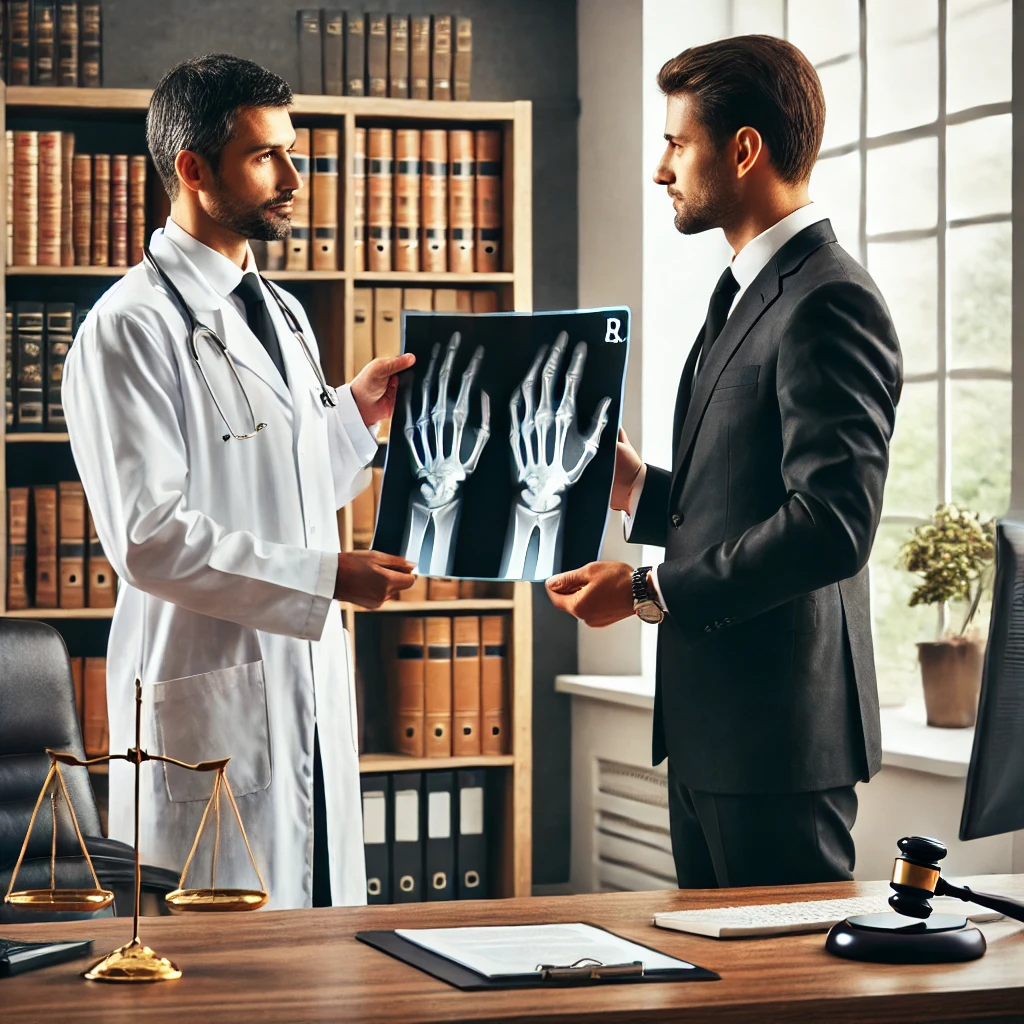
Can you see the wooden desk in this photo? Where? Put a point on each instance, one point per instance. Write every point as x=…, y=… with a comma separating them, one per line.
x=305, y=966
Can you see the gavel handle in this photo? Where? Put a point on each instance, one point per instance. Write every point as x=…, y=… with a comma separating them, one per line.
x=1000, y=904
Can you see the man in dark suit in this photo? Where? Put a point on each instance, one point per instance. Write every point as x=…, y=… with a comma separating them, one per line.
x=766, y=704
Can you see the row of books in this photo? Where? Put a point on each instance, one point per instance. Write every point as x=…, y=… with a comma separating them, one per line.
x=425, y=836
x=432, y=200
x=37, y=337
x=377, y=54
x=51, y=42
x=68, y=209
x=54, y=558
x=447, y=681
x=90, y=676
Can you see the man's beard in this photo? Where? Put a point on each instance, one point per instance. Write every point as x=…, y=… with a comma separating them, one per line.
x=249, y=221
x=706, y=206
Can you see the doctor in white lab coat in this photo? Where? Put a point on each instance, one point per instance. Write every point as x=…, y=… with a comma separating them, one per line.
x=228, y=550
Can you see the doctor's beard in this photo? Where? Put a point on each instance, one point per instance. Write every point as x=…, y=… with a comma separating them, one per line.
x=262, y=222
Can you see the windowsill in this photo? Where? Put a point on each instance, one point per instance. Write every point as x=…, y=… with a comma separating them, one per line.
x=907, y=740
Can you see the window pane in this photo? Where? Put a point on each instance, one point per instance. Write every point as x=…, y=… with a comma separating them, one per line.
x=978, y=259
x=978, y=48
x=835, y=183
x=758, y=16
x=912, y=487
x=896, y=627
x=978, y=167
x=907, y=276
x=903, y=186
x=823, y=38
x=903, y=64
x=980, y=427
x=841, y=84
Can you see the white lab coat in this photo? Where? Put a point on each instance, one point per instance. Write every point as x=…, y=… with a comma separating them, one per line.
x=227, y=554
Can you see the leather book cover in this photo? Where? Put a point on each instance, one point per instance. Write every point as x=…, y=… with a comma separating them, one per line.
x=67, y=48
x=407, y=199
x=119, y=210
x=60, y=325
x=44, y=509
x=462, y=62
x=446, y=300
x=398, y=56
x=325, y=198
x=359, y=201
x=17, y=548
x=9, y=367
x=418, y=299
x=334, y=52
x=485, y=301
x=136, y=208
x=19, y=32
x=298, y=241
x=81, y=208
x=466, y=686
x=311, y=79
x=417, y=592
x=101, y=210
x=405, y=654
x=387, y=322
x=419, y=56
x=51, y=168
x=362, y=518
x=407, y=847
x=380, y=143
x=96, y=733
x=362, y=327
x=71, y=544
x=276, y=254
x=355, y=56
x=468, y=589
x=67, y=199
x=90, y=47
x=9, y=138
x=471, y=843
x=376, y=793
x=78, y=681
x=438, y=687
x=377, y=54
x=30, y=362
x=439, y=852
x=461, y=178
x=441, y=588
x=488, y=201
x=494, y=684
x=26, y=199
x=44, y=40
x=441, y=58
x=434, y=209
x=102, y=581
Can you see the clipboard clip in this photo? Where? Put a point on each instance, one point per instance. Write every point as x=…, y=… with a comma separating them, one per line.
x=589, y=969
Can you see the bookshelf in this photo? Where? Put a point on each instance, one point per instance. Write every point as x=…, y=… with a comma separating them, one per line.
x=328, y=297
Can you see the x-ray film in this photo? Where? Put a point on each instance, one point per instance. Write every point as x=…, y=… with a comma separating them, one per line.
x=502, y=448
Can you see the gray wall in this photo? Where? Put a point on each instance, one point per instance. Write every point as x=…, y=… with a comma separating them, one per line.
x=524, y=49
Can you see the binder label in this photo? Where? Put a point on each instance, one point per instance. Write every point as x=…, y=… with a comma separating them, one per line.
x=439, y=816
x=471, y=811
x=374, y=811
x=407, y=816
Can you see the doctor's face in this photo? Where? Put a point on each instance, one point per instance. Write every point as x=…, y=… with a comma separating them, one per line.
x=251, y=193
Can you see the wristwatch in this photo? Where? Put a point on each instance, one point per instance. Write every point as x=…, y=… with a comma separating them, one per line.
x=644, y=605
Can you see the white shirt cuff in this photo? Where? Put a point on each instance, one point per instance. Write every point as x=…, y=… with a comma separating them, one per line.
x=657, y=589
x=363, y=438
x=634, y=501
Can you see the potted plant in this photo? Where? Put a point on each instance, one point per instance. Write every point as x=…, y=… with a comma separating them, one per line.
x=952, y=554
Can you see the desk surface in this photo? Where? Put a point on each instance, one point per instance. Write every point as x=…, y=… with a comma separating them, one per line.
x=306, y=966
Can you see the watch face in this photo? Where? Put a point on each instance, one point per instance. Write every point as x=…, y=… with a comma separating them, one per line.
x=648, y=611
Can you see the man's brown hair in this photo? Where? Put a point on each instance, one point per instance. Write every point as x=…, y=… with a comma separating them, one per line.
x=759, y=82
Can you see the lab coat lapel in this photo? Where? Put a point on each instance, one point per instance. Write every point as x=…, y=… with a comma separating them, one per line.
x=302, y=381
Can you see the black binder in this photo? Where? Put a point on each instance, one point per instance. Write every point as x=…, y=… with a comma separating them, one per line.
x=376, y=840
x=439, y=876
x=407, y=841
x=471, y=847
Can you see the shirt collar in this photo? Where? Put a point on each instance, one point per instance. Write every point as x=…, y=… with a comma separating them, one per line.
x=220, y=273
x=755, y=255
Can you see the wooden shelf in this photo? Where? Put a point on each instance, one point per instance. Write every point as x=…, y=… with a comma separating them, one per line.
x=39, y=438
x=404, y=763
x=305, y=275
x=45, y=614
x=67, y=271
x=422, y=277
x=462, y=604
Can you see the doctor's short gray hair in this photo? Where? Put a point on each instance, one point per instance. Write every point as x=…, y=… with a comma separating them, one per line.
x=194, y=108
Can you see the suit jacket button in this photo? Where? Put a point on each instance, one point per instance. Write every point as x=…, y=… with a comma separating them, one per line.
x=677, y=520
x=708, y=629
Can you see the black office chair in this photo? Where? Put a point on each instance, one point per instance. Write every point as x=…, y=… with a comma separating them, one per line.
x=37, y=711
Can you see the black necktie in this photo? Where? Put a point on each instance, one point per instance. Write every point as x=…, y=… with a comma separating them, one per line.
x=258, y=317
x=718, y=312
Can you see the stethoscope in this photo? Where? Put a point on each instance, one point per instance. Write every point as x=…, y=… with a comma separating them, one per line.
x=199, y=331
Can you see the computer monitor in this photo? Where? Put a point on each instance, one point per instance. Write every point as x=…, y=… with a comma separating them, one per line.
x=994, y=799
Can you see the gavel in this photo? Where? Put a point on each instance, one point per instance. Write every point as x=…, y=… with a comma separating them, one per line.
x=916, y=878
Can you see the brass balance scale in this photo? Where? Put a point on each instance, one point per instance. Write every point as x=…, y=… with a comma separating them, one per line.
x=134, y=961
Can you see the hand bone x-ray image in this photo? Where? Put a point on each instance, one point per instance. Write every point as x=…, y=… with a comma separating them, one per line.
x=502, y=447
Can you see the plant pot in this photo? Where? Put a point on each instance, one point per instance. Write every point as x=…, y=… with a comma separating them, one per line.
x=951, y=676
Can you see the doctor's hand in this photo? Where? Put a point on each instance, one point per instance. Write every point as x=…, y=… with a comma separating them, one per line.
x=598, y=594
x=376, y=386
x=627, y=468
x=369, y=578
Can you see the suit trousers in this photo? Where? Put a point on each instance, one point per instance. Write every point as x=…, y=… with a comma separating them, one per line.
x=723, y=840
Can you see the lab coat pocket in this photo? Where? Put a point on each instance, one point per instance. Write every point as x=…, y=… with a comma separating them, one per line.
x=212, y=715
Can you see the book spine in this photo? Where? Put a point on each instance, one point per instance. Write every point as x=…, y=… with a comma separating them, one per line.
x=398, y=57
x=119, y=210
x=355, y=56
x=377, y=53
x=298, y=241
x=67, y=200
x=442, y=588
x=462, y=63
x=136, y=208
x=10, y=196
x=81, y=213
x=276, y=255
x=380, y=143
x=44, y=501
x=488, y=201
x=437, y=685
x=60, y=322
x=28, y=344
x=101, y=210
x=407, y=199
x=362, y=331
x=421, y=299
x=96, y=734
x=311, y=80
x=102, y=582
x=419, y=56
x=26, y=199
x=50, y=200
x=494, y=685
x=19, y=31
x=334, y=52
x=441, y=59
x=325, y=198
x=67, y=53
x=461, y=166
x=434, y=216
x=71, y=542
x=359, y=201
x=44, y=38
x=485, y=301
x=407, y=658
x=17, y=548
x=466, y=686
x=91, y=46
x=446, y=300
x=9, y=372
x=387, y=322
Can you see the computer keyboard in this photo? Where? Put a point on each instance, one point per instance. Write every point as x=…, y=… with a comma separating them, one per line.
x=791, y=918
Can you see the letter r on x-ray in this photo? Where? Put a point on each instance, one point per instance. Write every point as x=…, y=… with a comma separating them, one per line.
x=611, y=330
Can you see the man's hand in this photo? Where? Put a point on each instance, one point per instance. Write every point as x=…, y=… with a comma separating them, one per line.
x=627, y=468
x=376, y=386
x=599, y=594
x=369, y=578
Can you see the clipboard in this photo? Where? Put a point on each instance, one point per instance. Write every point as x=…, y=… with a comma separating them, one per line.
x=467, y=980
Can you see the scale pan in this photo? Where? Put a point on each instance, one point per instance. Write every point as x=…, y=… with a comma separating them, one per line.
x=62, y=900
x=215, y=900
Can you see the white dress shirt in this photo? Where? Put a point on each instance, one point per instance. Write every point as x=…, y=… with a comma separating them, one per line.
x=223, y=275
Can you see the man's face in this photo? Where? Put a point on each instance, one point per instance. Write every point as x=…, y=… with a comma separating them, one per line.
x=251, y=194
x=696, y=172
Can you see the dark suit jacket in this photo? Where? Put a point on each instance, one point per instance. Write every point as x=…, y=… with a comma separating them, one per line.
x=766, y=677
